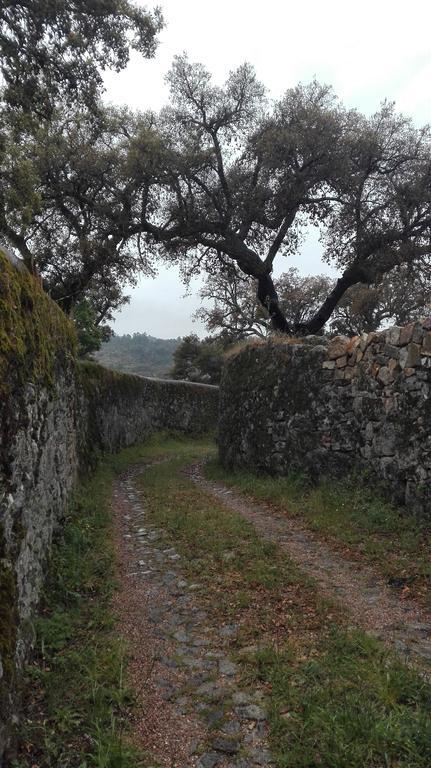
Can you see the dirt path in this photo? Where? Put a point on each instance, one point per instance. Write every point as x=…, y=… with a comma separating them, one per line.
x=370, y=603
x=190, y=710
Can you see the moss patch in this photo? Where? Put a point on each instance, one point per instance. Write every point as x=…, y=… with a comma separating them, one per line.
x=34, y=332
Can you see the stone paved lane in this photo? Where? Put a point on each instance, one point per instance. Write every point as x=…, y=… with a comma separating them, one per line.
x=192, y=710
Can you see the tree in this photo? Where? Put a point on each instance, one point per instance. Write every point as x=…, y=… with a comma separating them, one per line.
x=241, y=179
x=66, y=164
x=238, y=178
x=199, y=361
x=399, y=297
x=53, y=50
x=237, y=312
x=90, y=333
x=70, y=202
x=380, y=216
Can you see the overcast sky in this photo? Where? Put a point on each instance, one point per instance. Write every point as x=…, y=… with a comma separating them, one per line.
x=368, y=51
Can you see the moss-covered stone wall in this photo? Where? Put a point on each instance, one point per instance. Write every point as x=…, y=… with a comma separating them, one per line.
x=57, y=416
x=323, y=407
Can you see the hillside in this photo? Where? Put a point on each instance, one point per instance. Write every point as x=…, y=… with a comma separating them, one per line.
x=138, y=353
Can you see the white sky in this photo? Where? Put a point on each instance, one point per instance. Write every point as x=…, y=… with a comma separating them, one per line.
x=368, y=51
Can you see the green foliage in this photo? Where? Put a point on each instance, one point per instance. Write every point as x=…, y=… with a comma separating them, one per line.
x=90, y=335
x=75, y=694
x=200, y=361
x=335, y=698
x=350, y=513
x=349, y=704
x=80, y=229
x=50, y=49
x=34, y=332
x=138, y=353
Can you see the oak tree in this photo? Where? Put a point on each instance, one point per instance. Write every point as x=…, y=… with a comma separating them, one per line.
x=242, y=177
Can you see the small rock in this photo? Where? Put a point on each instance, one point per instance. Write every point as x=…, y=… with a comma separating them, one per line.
x=251, y=712
x=227, y=668
x=229, y=630
x=229, y=746
x=337, y=347
x=239, y=697
x=393, y=335
x=231, y=728
x=208, y=760
x=261, y=756
x=213, y=717
x=406, y=334
x=341, y=362
x=207, y=689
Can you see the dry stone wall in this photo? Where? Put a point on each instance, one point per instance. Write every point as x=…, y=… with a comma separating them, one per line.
x=56, y=418
x=327, y=408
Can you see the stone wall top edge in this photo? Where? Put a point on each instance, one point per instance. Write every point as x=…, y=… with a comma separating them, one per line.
x=182, y=382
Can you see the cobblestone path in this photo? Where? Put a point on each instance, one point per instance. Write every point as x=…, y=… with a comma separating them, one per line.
x=191, y=708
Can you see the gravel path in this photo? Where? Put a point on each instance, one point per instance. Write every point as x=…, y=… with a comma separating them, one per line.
x=191, y=709
x=371, y=604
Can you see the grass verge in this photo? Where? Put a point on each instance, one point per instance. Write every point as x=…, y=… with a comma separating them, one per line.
x=336, y=698
x=76, y=698
x=352, y=517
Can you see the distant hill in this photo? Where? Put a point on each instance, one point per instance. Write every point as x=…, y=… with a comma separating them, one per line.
x=138, y=353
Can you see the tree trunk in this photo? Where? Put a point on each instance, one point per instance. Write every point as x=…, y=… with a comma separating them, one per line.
x=316, y=323
x=268, y=297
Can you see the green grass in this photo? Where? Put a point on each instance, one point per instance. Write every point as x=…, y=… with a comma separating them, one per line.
x=336, y=698
x=75, y=694
x=349, y=706
x=221, y=550
x=349, y=513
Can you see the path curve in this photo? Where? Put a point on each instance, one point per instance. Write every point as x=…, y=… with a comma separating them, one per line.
x=371, y=604
x=191, y=710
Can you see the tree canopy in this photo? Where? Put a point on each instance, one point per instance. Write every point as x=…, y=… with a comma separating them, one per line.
x=50, y=50
x=69, y=202
x=241, y=177
x=67, y=163
x=222, y=181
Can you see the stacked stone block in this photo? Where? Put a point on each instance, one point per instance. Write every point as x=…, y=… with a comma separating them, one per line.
x=326, y=408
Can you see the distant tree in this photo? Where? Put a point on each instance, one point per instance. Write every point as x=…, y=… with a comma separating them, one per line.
x=241, y=179
x=138, y=353
x=51, y=50
x=237, y=313
x=302, y=295
x=199, y=361
x=398, y=298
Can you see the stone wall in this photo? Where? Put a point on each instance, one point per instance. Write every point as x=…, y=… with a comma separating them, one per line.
x=119, y=410
x=327, y=408
x=56, y=417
